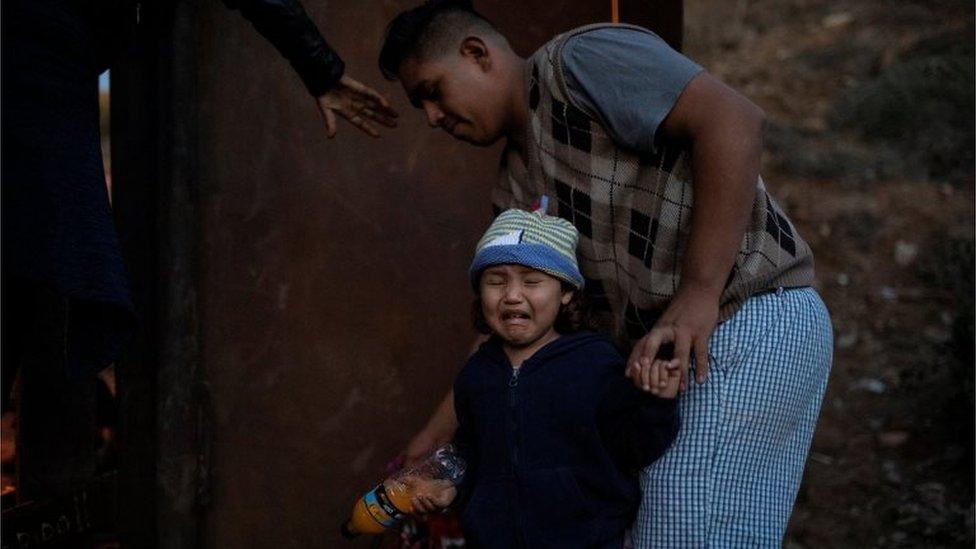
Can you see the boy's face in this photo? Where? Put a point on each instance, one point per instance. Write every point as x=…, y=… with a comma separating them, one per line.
x=521, y=304
x=459, y=93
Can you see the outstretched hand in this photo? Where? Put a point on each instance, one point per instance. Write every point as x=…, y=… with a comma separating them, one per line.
x=357, y=103
x=687, y=324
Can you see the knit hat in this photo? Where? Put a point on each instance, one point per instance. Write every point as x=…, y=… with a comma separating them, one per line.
x=532, y=239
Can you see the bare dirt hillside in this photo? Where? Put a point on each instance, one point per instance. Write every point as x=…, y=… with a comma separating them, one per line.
x=870, y=149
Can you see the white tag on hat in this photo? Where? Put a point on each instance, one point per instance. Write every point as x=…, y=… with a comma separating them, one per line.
x=508, y=239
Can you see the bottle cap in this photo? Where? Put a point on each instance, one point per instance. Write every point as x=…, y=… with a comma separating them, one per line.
x=346, y=532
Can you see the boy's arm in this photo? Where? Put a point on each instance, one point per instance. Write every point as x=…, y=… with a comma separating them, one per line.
x=660, y=95
x=724, y=131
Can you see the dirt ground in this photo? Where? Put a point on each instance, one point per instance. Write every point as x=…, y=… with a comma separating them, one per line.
x=870, y=150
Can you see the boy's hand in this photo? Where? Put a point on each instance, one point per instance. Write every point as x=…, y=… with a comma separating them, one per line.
x=687, y=323
x=358, y=104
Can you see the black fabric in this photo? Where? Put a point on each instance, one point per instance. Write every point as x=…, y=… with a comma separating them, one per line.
x=570, y=126
x=553, y=453
x=58, y=231
x=57, y=225
x=643, y=233
x=574, y=206
x=779, y=228
x=285, y=24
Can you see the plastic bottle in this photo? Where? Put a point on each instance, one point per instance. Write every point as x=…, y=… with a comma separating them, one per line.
x=385, y=506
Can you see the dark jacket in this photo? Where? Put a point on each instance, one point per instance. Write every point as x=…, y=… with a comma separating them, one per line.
x=57, y=226
x=285, y=24
x=553, y=448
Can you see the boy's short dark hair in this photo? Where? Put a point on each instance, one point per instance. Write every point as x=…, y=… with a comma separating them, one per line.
x=427, y=29
x=573, y=316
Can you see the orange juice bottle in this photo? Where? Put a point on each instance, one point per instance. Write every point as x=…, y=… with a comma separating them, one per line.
x=385, y=506
x=381, y=508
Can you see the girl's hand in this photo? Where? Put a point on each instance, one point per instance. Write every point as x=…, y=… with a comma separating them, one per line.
x=660, y=379
x=431, y=495
x=669, y=381
x=687, y=323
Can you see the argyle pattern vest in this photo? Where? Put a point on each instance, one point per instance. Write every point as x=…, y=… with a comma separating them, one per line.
x=633, y=209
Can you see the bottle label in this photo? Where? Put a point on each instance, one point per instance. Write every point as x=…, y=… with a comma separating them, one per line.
x=380, y=508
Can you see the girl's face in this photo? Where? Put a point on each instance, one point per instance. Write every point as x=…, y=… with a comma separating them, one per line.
x=521, y=304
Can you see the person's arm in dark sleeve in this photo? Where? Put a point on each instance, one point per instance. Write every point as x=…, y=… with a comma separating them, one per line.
x=636, y=427
x=285, y=24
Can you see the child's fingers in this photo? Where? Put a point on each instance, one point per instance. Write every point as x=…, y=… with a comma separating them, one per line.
x=672, y=382
x=422, y=505
x=662, y=373
x=655, y=376
x=648, y=346
x=645, y=373
x=417, y=505
x=666, y=376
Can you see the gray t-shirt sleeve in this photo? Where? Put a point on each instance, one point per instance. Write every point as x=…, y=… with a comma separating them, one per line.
x=626, y=78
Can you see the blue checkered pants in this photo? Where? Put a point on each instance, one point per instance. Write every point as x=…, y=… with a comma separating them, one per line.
x=731, y=477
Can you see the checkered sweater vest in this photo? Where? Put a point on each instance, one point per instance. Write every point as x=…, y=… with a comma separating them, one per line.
x=633, y=209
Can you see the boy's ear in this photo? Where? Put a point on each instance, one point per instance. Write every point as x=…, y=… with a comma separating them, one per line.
x=476, y=50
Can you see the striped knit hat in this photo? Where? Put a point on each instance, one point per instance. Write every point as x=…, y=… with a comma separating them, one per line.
x=532, y=239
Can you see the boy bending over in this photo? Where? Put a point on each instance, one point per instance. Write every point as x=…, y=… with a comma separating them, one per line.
x=656, y=163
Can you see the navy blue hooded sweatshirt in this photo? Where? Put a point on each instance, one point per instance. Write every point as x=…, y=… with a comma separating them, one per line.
x=554, y=447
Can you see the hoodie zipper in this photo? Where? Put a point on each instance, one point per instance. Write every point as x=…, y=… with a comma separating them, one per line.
x=513, y=423
x=513, y=402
